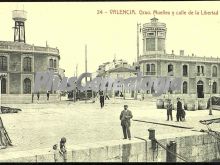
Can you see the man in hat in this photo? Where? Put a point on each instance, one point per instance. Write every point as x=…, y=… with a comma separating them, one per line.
x=102, y=99
x=179, y=110
x=125, y=117
x=169, y=110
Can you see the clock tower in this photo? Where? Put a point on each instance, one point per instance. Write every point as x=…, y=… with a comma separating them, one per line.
x=154, y=36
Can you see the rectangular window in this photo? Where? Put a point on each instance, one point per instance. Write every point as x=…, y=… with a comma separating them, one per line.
x=150, y=34
x=185, y=70
x=55, y=63
x=51, y=63
x=27, y=64
x=3, y=63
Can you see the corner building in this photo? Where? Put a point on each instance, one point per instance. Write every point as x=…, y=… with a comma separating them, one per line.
x=200, y=75
x=21, y=61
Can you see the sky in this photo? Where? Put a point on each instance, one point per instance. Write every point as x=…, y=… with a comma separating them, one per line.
x=70, y=26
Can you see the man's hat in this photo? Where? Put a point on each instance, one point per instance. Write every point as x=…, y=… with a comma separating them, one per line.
x=125, y=105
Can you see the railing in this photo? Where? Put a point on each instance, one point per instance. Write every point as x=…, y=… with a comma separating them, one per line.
x=53, y=69
x=150, y=73
x=13, y=46
x=200, y=74
x=158, y=24
x=156, y=55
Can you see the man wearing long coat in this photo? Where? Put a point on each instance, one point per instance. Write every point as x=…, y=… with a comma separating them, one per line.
x=102, y=99
x=179, y=110
x=125, y=117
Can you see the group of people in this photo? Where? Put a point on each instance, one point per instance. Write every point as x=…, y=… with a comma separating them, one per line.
x=180, y=114
x=61, y=150
x=126, y=115
x=38, y=95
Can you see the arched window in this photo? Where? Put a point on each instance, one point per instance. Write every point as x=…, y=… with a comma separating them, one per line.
x=185, y=70
x=153, y=69
x=27, y=64
x=148, y=67
x=184, y=87
x=51, y=63
x=202, y=70
x=214, y=87
x=55, y=63
x=27, y=86
x=170, y=69
x=3, y=86
x=3, y=63
x=214, y=71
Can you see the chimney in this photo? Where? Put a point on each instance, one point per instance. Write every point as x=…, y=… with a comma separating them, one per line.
x=182, y=52
x=172, y=51
x=192, y=54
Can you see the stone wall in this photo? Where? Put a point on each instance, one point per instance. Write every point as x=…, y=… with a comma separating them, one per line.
x=194, y=146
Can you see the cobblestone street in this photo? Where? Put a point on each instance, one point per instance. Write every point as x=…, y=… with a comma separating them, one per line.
x=42, y=125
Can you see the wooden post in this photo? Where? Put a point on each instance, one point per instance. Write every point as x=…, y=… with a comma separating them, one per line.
x=86, y=69
x=152, y=138
x=171, y=147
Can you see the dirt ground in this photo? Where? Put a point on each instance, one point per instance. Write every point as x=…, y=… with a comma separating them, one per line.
x=42, y=125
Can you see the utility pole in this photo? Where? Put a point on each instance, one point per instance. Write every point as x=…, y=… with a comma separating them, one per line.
x=210, y=105
x=138, y=31
x=86, y=68
x=76, y=70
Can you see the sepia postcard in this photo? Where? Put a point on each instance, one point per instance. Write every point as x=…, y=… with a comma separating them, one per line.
x=110, y=81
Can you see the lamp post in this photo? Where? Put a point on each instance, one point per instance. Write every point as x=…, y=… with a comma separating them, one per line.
x=210, y=105
x=2, y=75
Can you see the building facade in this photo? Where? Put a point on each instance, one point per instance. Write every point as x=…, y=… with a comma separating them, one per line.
x=200, y=75
x=117, y=69
x=20, y=61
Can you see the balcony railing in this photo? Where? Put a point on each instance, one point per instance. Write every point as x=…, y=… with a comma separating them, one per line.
x=53, y=69
x=150, y=73
x=214, y=75
x=171, y=57
x=200, y=74
x=21, y=47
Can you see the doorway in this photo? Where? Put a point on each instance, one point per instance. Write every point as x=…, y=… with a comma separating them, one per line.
x=200, y=92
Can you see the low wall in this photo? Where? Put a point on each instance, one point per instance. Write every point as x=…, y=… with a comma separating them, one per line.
x=27, y=98
x=197, y=147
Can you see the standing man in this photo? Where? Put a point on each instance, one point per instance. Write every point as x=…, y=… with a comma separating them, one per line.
x=169, y=110
x=102, y=99
x=48, y=95
x=179, y=110
x=38, y=95
x=125, y=117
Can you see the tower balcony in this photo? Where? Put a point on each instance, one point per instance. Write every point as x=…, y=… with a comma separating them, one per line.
x=52, y=69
